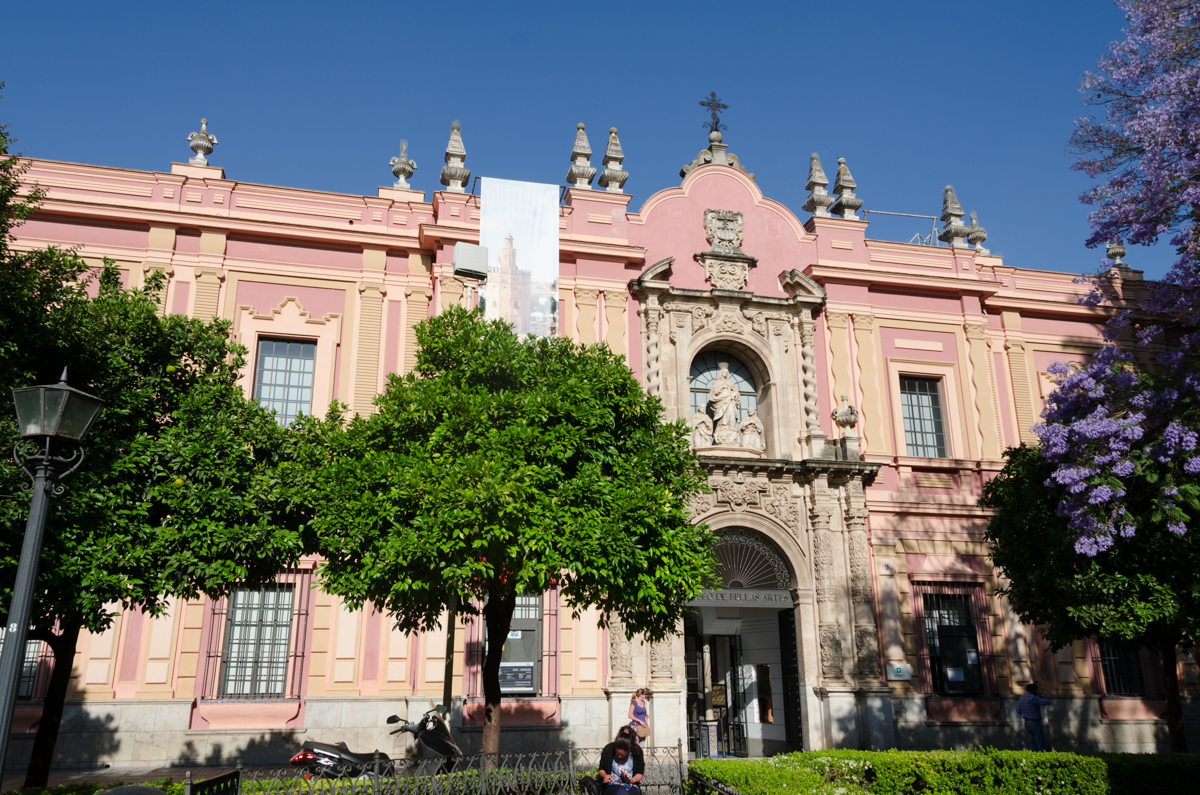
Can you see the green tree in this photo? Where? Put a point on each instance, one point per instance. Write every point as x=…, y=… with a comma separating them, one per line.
x=179, y=491
x=1143, y=591
x=501, y=466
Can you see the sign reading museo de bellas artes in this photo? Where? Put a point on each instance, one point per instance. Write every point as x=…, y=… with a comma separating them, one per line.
x=518, y=225
x=744, y=597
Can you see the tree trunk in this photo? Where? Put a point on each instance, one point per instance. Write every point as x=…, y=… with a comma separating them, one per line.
x=497, y=617
x=1170, y=669
x=63, y=646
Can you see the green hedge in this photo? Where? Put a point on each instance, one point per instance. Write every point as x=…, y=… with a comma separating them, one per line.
x=167, y=784
x=952, y=773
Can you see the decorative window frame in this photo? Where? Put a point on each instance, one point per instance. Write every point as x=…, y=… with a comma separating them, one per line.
x=952, y=419
x=977, y=589
x=289, y=320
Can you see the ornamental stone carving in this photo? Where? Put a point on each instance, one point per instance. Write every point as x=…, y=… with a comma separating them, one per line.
x=758, y=321
x=725, y=274
x=866, y=643
x=784, y=507
x=975, y=331
x=661, y=660
x=201, y=143
x=724, y=401
x=701, y=504
x=738, y=493
x=727, y=323
x=831, y=651
x=700, y=316
x=586, y=297
x=837, y=319
x=753, y=433
x=702, y=429
x=402, y=167
x=723, y=229
x=620, y=650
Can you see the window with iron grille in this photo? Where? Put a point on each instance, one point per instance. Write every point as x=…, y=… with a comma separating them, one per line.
x=921, y=407
x=35, y=669
x=256, y=641
x=954, y=648
x=529, y=662
x=1121, y=667
x=284, y=380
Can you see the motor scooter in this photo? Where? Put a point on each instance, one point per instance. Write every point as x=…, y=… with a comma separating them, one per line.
x=432, y=734
x=335, y=760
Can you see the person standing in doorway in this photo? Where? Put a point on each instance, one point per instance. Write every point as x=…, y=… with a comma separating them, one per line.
x=637, y=716
x=1030, y=708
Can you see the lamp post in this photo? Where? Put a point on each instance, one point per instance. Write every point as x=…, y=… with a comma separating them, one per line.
x=53, y=413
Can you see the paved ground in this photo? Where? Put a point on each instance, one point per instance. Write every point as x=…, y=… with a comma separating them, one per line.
x=110, y=776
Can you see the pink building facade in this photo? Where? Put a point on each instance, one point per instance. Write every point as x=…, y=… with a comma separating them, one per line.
x=875, y=385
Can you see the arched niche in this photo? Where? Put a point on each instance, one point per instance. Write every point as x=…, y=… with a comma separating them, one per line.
x=771, y=533
x=750, y=372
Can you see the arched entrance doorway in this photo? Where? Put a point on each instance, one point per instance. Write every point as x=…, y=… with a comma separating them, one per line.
x=742, y=669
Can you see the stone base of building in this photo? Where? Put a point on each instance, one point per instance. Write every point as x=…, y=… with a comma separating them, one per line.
x=144, y=733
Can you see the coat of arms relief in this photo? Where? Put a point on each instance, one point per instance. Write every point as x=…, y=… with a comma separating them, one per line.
x=726, y=267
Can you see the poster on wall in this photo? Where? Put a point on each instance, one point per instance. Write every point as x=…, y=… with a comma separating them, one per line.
x=518, y=225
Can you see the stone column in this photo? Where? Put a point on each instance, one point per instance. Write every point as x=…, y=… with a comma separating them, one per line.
x=814, y=436
x=981, y=381
x=417, y=309
x=614, y=314
x=652, y=316
x=370, y=332
x=874, y=422
x=208, y=293
x=586, y=301
x=821, y=511
x=866, y=638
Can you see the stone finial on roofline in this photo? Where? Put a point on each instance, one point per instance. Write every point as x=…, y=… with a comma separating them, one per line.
x=202, y=144
x=843, y=188
x=819, y=201
x=1114, y=252
x=612, y=178
x=580, y=174
x=976, y=234
x=718, y=154
x=455, y=174
x=402, y=167
x=953, y=232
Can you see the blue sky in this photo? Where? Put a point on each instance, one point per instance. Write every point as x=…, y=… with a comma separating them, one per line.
x=914, y=95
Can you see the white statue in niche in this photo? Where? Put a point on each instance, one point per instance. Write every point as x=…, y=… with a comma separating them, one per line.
x=753, y=435
x=702, y=429
x=725, y=400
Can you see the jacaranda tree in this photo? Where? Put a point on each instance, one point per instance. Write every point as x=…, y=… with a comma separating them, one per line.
x=503, y=466
x=1120, y=433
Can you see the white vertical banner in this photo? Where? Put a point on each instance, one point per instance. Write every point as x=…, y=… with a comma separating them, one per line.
x=519, y=227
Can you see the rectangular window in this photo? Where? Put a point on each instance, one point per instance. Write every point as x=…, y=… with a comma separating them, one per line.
x=256, y=641
x=954, y=649
x=921, y=406
x=35, y=669
x=284, y=381
x=1122, y=669
x=521, y=663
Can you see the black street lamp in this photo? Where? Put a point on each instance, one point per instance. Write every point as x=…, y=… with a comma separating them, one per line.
x=45, y=414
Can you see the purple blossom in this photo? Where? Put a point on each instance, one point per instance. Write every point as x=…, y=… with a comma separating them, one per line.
x=1112, y=419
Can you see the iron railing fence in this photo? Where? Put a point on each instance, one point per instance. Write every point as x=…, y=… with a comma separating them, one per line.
x=559, y=772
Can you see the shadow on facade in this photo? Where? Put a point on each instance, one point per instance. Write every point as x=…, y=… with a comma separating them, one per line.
x=270, y=748
x=82, y=739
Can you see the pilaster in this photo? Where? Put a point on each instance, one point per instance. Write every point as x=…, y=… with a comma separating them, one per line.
x=416, y=303
x=614, y=315
x=989, y=430
x=1018, y=369
x=839, y=349
x=874, y=419
x=586, y=301
x=866, y=637
x=370, y=332
x=208, y=292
